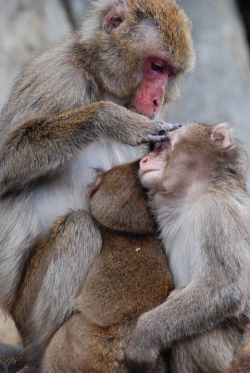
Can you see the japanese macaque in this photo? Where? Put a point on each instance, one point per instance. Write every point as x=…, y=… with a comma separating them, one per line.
x=66, y=116
x=197, y=190
x=129, y=277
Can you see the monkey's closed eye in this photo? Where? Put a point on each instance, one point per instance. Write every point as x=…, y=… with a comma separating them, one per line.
x=158, y=67
x=151, y=147
x=158, y=146
x=172, y=74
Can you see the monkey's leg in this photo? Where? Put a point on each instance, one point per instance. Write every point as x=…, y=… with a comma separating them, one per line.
x=80, y=346
x=211, y=352
x=54, y=279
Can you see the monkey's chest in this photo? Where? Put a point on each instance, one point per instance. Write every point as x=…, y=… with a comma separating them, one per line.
x=130, y=276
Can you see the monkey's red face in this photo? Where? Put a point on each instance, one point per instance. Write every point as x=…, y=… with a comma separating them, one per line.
x=149, y=97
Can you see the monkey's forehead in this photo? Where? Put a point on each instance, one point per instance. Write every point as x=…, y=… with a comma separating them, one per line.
x=171, y=21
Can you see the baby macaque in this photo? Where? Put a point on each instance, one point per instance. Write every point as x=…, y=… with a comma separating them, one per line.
x=130, y=276
x=197, y=190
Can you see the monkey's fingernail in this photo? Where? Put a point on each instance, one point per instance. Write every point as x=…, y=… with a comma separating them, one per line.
x=175, y=126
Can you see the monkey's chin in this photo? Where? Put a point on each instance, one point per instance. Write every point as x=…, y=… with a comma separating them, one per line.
x=150, y=177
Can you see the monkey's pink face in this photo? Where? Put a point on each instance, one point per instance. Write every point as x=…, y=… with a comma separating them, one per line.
x=149, y=97
x=153, y=164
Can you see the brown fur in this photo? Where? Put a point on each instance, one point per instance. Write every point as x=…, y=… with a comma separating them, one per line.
x=66, y=116
x=197, y=187
x=129, y=277
x=241, y=361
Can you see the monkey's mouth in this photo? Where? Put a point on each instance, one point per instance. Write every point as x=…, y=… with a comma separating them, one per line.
x=145, y=170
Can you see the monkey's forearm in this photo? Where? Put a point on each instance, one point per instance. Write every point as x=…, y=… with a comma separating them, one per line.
x=192, y=311
x=188, y=312
x=40, y=147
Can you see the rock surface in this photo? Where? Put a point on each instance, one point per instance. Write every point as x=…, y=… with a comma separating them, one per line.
x=26, y=27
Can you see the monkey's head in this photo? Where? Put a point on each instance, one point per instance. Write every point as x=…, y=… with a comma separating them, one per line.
x=138, y=49
x=119, y=202
x=196, y=155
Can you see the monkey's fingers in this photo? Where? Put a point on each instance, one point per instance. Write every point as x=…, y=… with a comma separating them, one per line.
x=163, y=127
x=153, y=138
x=160, y=130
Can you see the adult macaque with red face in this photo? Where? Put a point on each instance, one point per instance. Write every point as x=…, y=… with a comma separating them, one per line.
x=66, y=116
x=197, y=188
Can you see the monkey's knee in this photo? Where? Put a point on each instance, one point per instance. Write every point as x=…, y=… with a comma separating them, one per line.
x=211, y=352
x=80, y=346
x=75, y=233
x=74, y=224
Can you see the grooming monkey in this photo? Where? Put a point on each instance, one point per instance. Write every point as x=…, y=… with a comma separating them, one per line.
x=67, y=115
x=129, y=277
x=197, y=189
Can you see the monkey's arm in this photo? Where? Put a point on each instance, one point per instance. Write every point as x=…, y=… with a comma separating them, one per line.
x=217, y=290
x=38, y=148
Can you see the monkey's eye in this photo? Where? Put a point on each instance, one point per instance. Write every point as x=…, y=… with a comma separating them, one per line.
x=158, y=67
x=172, y=74
x=160, y=146
x=151, y=146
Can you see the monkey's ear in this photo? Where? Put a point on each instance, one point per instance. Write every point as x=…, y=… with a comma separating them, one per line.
x=115, y=17
x=96, y=186
x=221, y=134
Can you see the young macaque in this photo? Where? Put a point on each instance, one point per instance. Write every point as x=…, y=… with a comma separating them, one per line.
x=129, y=277
x=83, y=104
x=197, y=188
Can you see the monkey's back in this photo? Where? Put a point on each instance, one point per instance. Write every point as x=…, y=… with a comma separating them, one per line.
x=130, y=276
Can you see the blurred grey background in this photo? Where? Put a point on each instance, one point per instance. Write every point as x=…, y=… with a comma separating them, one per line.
x=218, y=89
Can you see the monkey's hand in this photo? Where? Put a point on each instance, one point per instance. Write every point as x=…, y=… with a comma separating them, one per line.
x=159, y=130
x=115, y=122
x=143, y=349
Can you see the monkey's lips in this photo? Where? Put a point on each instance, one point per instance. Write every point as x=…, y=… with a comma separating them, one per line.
x=143, y=170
